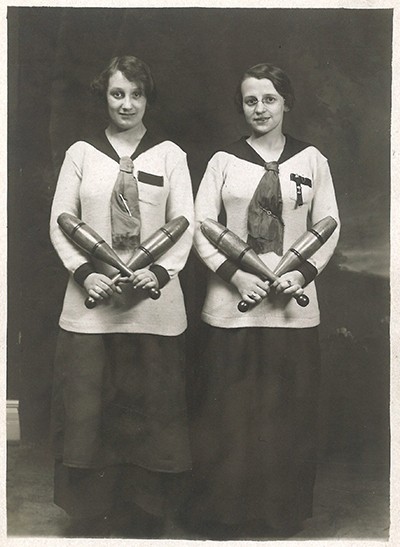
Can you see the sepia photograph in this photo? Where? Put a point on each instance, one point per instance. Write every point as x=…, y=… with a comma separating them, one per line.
x=198, y=273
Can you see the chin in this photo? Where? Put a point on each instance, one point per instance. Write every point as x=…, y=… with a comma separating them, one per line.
x=125, y=126
x=259, y=132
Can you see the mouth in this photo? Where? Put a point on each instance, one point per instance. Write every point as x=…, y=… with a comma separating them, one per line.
x=261, y=120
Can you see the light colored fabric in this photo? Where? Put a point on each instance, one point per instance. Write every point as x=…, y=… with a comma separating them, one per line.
x=231, y=182
x=84, y=188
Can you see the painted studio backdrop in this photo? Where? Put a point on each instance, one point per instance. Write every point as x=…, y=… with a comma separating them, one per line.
x=340, y=64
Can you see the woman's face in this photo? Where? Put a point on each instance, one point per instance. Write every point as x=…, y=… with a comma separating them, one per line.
x=126, y=102
x=263, y=106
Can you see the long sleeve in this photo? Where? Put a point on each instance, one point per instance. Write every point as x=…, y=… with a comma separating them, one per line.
x=324, y=204
x=179, y=202
x=208, y=204
x=67, y=199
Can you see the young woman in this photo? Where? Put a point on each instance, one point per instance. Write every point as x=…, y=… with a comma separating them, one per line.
x=119, y=411
x=254, y=435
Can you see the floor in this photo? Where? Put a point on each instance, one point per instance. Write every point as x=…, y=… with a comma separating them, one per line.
x=351, y=500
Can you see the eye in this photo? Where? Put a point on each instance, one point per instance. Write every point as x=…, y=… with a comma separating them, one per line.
x=250, y=101
x=137, y=94
x=117, y=94
x=269, y=100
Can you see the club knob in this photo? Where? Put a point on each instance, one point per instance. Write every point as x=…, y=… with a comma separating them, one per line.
x=154, y=294
x=90, y=303
x=243, y=306
x=302, y=300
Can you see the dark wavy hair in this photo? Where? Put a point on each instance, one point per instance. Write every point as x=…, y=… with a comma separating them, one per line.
x=277, y=76
x=133, y=69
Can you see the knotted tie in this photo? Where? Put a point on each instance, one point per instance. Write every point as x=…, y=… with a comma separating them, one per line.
x=125, y=213
x=264, y=221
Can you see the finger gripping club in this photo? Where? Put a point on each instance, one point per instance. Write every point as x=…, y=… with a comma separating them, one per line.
x=151, y=250
x=240, y=252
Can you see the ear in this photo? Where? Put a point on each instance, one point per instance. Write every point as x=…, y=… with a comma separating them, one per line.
x=286, y=108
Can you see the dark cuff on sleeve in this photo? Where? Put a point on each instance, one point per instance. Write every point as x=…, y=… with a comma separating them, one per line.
x=161, y=274
x=309, y=271
x=81, y=273
x=226, y=270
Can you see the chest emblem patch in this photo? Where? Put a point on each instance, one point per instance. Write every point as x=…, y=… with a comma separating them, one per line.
x=299, y=180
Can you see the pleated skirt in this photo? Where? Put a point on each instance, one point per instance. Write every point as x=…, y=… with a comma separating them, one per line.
x=254, y=427
x=119, y=420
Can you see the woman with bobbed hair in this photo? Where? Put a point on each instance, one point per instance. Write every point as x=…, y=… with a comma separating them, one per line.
x=279, y=79
x=133, y=69
x=119, y=419
x=254, y=432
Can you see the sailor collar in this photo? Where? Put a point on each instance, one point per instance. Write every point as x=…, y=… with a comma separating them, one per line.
x=242, y=150
x=103, y=145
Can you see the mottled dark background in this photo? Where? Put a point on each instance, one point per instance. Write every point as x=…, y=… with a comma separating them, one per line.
x=340, y=64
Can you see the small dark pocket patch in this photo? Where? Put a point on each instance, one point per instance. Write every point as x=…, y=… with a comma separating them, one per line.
x=148, y=178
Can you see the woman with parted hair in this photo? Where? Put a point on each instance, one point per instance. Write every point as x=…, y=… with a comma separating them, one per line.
x=254, y=432
x=119, y=419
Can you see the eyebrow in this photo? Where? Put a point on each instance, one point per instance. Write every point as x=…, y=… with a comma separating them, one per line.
x=116, y=88
x=266, y=96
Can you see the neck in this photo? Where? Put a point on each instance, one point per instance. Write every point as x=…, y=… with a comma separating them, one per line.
x=129, y=135
x=269, y=141
x=269, y=146
x=125, y=142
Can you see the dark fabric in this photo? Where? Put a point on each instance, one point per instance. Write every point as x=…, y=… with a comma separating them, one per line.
x=81, y=273
x=242, y=150
x=264, y=222
x=120, y=398
x=308, y=270
x=100, y=141
x=124, y=206
x=299, y=180
x=87, y=493
x=148, y=178
x=161, y=274
x=254, y=428
x=226, y=270
x=125, y=213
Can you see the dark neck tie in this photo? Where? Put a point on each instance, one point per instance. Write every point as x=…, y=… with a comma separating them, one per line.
x=125, y=213
x=264, y=221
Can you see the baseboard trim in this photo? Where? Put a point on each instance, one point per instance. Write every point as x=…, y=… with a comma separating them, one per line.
x=13, y=429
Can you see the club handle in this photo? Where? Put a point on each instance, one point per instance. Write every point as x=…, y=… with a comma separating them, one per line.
x=91, y=303
x=302, y=300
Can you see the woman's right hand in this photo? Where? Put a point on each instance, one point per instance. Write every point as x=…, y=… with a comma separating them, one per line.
x=99, y=286
x=251, y=288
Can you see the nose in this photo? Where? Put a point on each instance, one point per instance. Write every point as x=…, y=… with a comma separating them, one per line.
x=260, y=106
x=127, y=104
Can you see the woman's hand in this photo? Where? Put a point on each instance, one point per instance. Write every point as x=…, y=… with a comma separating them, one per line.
x=290, y=283
x=144, y=279
x=251, y=288
x=99, y=286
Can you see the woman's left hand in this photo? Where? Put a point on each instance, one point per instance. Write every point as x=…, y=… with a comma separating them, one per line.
x=290, y=283
x=144, y=279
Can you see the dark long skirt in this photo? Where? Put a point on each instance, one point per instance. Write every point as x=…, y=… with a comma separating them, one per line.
x=119, y=420
x=254, y=429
